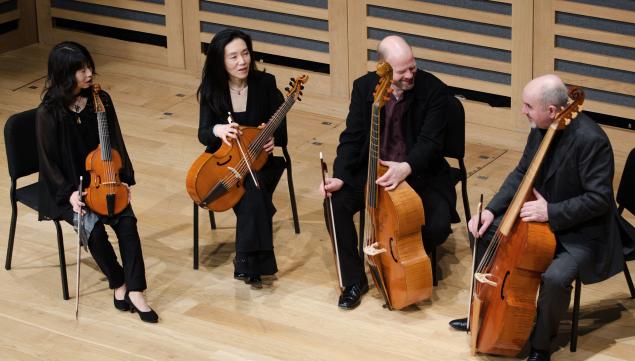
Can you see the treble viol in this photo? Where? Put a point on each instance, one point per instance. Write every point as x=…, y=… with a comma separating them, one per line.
x=216, y=181
x=106, y=195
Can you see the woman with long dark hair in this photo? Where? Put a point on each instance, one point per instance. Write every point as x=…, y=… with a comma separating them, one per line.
x=231, y=83
x=67, y=131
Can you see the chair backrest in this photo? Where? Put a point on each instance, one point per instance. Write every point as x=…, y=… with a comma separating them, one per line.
x=19, y=139
x=455, y=131
x=626, y=190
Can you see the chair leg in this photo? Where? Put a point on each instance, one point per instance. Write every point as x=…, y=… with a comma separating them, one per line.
x=14, y=218
x=212, y=220
x=466, y=201
x=629, y=280
x=195, y=237
x=60, y=249
x=433, y=254
x=362, y=224
x=294, y=207
x=573, y=344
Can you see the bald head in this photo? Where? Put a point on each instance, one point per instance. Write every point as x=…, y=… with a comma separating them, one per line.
x=395, y=51
x=550, y=89
x=543, y=98
x=393, y=48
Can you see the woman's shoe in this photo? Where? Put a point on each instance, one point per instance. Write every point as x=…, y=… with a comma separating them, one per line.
x=149, y=316
x=255, y=282
x=121, y=305
x=241, y=276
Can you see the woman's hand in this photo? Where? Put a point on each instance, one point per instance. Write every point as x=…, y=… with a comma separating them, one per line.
x=227, y=132
x=129, y=192
x=76, y=203
x=268, y=147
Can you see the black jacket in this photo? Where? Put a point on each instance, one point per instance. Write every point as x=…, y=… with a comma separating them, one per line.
x=63, y=145
x=424, y=133
x=576, y=179
x=263, y=99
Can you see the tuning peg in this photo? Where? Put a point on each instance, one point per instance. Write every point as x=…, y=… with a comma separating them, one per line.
x=292, y=79
x=299, y=99
x=301, y=93
x=291, y=83
x=302, y=87
x=286, y=89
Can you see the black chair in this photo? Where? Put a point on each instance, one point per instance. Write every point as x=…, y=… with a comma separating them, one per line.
x=22, y=159
x=286, y=160
x=454, y=148
x=625, y=200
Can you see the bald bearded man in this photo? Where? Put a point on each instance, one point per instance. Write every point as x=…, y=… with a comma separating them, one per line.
x=574, y=194
x=412, y=142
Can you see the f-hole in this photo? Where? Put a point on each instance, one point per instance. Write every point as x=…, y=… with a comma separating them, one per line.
x=503, y=285
x=392, y=254
x=223, y=163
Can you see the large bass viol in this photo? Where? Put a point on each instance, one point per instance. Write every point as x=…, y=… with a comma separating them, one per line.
x=507, y=278
x=398, y=262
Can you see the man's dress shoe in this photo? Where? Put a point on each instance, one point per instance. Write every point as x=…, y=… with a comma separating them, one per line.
x=538, y=355
x=351, y=297
x=459, y=324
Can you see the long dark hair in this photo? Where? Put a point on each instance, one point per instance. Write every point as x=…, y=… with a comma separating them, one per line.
x=65, y=60
x=214, y=88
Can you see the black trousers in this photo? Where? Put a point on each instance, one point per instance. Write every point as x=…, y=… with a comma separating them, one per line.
x=254, y=226
x=132, y=274
x=349, y=200
x=554, y=294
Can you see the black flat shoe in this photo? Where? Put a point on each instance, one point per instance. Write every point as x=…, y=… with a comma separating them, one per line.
x=241, y=276
x=149, y=316
x=539, y=355
x=121, y=305
x=255, y=282
x=351, y=297
x=460, y=324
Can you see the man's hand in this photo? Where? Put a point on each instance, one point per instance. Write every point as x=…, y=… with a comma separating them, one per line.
x=332, y=185
x=535, y=211
x=397, y=172
x=487, y=218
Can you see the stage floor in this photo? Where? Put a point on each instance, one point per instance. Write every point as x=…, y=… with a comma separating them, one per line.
x=206, y=314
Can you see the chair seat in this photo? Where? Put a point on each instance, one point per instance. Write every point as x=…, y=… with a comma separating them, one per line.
x=28, y=195
x=455, y=175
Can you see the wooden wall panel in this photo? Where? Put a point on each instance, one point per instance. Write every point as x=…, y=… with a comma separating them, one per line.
x=121, y=16
x=590, y=45
x=493, y=47
x=19, y=17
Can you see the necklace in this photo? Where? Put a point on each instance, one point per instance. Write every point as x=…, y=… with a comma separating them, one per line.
x=76, y=108
x=239, y=91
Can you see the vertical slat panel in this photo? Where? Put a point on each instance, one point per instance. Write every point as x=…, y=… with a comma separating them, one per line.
x=25, y=33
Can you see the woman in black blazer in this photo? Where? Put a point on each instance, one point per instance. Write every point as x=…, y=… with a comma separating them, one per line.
x=232, y=84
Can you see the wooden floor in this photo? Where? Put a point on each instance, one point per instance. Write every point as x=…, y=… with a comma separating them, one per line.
x=206, y=314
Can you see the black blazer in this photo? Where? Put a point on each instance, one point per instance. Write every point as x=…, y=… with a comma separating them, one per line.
x=576, y=179
x=263, y=99
x=424, y=132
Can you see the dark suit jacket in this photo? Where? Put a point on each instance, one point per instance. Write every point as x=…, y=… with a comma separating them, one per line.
x=424, y=132
x=263, y=99
x=576, y=179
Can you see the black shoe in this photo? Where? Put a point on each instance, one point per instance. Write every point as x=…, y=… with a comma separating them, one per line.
x=255, y=282
x=460, y=324
x=121, y=305
x=538, y=355
x=351, y=297
x=241, y=276
x=149, y=316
